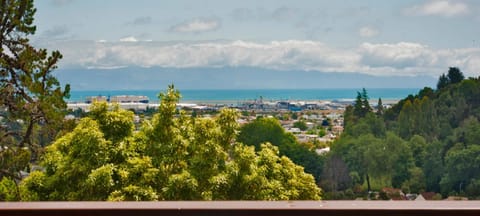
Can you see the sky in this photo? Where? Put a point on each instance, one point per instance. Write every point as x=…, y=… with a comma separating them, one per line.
x=373, y=37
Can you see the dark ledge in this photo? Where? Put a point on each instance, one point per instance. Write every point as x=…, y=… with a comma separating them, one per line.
x=232, y=208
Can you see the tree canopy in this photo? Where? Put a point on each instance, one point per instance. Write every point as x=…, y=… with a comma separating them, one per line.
x=269, y=130
x=453, y=76
x=362, y=105
x=425, y=142
x=31, y=98
x=172, y=157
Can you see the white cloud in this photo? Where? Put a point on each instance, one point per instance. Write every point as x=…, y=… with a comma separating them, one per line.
x=405, y=58
x=439, y=8
x=197, y=25
x=368, y=31
x=128, y=39
x=377, y=59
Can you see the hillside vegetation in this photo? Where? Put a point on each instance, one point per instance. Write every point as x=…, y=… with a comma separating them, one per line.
x=426, y=142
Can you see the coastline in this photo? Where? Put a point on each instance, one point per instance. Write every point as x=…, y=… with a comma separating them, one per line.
x=212, y=97
x=244, y=105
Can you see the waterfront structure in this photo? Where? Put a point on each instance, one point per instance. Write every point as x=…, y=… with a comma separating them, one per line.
x=129, y=99
x=92, y=99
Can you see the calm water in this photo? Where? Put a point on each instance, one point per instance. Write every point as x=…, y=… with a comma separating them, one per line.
x=250, y=94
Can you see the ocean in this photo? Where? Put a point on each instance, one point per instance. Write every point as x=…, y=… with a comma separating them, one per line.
x=219, y=96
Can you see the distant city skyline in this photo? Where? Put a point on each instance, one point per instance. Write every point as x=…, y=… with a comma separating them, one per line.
x=375, y=37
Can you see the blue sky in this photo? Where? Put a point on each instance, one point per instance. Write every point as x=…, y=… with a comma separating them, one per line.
x=375, y=37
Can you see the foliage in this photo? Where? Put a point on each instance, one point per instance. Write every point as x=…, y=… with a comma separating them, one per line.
x=8, y=190
x=172, y=157
x=453, y=76
x=362, y=105
x=269, y=130
x=416, y=183
x=31, y=98
x=380, y=107
x=335, y=175
x=301, y=124
x=461, y=166
x=432, y=140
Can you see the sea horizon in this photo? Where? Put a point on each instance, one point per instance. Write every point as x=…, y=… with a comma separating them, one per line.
x=239, y=95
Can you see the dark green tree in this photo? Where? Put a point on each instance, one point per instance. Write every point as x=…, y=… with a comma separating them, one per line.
x=301, y=124
x=362, y=105
x=461, y=166
x=269, y=130
x=442, y=128
x=294, y=116
x=442, y=82
x=380, y=107
x=358, y=106
x=30, y=96
x=455, y=75
x=261, y=131
x=365, y=102
x=426, y=92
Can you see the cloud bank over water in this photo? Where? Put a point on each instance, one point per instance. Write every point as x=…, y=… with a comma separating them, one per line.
x=379, y=59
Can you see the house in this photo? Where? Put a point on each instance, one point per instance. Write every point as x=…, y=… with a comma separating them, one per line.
x=310, y=125
x=322, y=150
x=283, y=105
x=294, y=130
x=129, y=99
x=337, y=129
x=92, y=99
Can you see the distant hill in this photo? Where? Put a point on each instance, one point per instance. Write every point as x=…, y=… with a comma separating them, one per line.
x=228, y=78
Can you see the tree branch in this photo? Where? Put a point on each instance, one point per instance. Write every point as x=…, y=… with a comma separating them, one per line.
x=9, y=174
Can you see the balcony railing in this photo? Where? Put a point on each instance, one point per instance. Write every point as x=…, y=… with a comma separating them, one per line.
x=232, y=208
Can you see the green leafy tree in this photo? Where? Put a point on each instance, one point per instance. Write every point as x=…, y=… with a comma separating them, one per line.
x=269, y=130
x=261, y=131
x=301, y=124
x=442, y=129
x=461, y=165
x=30, y=96
x=335, y=175
x=294, y=116
x=8, y=190
x=172, y=157
x=321, y=132
x=418, y=146
x=376, y=124
x=416, y=182
x=379, y=161
x=433, y=166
